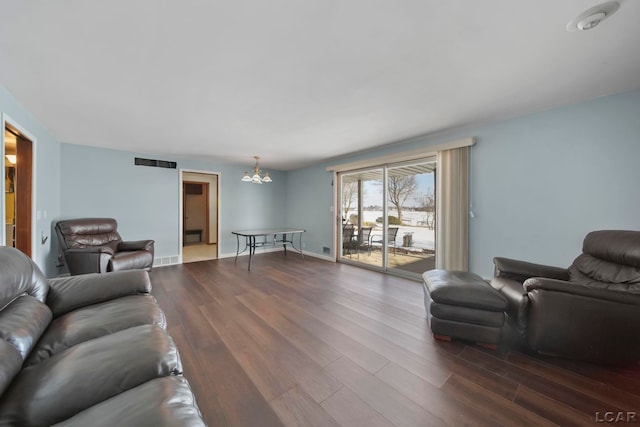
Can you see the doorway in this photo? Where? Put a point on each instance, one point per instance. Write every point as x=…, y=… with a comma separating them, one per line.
x=18, y=184
x=199, y=225
x=388, y=217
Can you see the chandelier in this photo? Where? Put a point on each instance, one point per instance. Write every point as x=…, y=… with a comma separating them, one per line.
x=256, y=178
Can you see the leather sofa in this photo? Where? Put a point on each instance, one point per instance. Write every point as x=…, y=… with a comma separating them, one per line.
x=86, y=350
x=93, y=245
x=590, y=311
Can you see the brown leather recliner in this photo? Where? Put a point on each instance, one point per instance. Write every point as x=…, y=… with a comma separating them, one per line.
x=590, y=311
x=93, y=245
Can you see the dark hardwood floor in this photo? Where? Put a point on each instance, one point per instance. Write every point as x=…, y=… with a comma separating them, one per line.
x=313, y=343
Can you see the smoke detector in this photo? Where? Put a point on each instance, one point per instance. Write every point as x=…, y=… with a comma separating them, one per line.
x=590, y=18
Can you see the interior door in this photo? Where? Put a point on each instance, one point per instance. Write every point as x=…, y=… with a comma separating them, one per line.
x=18, y=190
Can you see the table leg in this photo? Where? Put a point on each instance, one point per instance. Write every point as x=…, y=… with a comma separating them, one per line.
x=300, y=244
x=237, y=248
x=252, y=249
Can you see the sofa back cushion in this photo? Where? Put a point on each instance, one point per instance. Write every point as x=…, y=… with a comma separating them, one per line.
x=18, y=276
x=23, y=314
x=22, y=323
x=610, y=259
x=616, y=246
x=87, y=232
x=10, y=364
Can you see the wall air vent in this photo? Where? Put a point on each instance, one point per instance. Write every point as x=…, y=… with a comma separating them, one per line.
x=155, y=163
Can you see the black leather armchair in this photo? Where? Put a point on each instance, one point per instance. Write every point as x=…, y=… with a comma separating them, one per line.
x=93, y=245
x=589, y=311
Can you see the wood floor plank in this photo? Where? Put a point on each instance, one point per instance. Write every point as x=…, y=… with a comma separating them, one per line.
x=195, y=325
x=297, y=409
x=417, y=327
x=268, y=377
x=623, y=379
x=416, y=363
x=431, y=398
x=319, y=351
x=583, y=401
x=394, y=406
x=503, y=411
x=243, y=404
x=308, y=341
x=203, y=388
x=362, y=355
x=282, y=356
x=553, y=410
x=171, y=311
x=602, y=392
x=349, y=410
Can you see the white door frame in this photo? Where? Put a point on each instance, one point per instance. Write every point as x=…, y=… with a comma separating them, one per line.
x=218, y=202
x=7, y=120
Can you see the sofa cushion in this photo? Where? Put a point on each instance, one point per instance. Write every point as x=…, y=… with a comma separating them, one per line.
x=164, y=401
x=23, y=321
x=616, y=246
x=591, y=271
x=70, y=293
x=86, y=374
x=85, y=232
x=95, y=321
x=10, y=364
x=20, y=276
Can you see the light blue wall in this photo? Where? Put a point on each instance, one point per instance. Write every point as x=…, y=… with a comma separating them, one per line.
x=309, y=200
x=145, y=200
x=47, y=179
x=539, y=183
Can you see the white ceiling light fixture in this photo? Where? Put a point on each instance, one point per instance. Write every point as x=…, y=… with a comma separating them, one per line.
x=590, y=18
x=256, y=178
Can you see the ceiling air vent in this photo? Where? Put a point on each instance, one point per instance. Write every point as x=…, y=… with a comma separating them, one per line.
x=155, y=163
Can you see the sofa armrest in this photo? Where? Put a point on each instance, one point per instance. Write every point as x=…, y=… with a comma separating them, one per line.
x=521, y=270
x=137, y=245
x=578, y=321
x=539, y=283
x=68, y=293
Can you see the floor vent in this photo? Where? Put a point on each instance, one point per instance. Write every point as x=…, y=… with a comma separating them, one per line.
x=326, y=250
x=165, y=260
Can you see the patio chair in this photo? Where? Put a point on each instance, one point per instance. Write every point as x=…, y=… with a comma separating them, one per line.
x=392, y=233
x=363, y=239
x=348, y=241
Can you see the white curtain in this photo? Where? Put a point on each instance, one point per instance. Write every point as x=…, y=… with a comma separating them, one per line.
x=452, y=208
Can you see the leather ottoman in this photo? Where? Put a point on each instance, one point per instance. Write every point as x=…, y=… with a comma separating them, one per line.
x=462, y=305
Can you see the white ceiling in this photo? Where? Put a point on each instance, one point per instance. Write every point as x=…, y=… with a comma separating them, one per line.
x=298, y=81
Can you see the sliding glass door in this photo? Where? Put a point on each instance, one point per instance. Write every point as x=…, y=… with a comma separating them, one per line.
x=361, y=208
x=388, y=217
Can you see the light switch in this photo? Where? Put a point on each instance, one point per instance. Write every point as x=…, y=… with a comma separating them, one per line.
x=38, y=215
